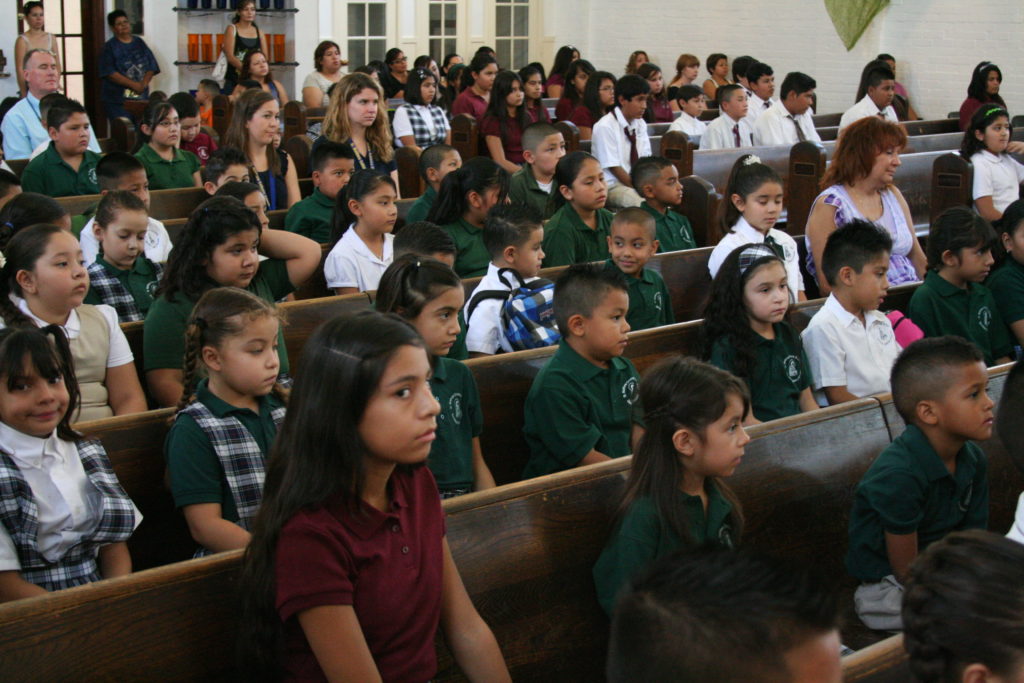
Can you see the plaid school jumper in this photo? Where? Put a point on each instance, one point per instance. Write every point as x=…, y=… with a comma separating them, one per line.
x=421, y=133
x=113, y=293
x=239, y=455
x=19, y=514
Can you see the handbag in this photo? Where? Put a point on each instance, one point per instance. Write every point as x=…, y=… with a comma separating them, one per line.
x=220, y=69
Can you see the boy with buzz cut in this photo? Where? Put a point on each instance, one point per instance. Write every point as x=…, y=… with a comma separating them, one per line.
x=513, y=234
x=930, y=481
x=657, y=181
x=208, y=89
x=691, y=102
x=226, y=165
x=952, y=300
x=730, y=129
x=632, y=243
x=714, y=614
x=543, y=146
x=118, y=171
x=333, y=164
x=583, y=406
x=849, y=343
x=436, y=162
x=620, y=137
x=68, y=167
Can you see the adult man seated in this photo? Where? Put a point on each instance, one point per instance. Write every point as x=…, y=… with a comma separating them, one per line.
x=22, y=128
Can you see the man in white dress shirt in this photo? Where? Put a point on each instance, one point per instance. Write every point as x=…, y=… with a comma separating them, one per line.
x=880, y=84
x=789, y=121
x=761, y=78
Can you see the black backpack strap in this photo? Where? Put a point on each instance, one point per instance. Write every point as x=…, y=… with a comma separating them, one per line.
x=520, y=282
x=500, y=294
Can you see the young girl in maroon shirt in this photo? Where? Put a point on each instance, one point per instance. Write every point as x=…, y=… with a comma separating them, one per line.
x=348, y=573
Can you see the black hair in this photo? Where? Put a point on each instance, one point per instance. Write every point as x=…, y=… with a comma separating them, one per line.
x=485, y=50
x=592, y=94
x=113, y=166
x=563, y=58
x=726, y=316
x=957, y=228
x=855, y=245
x=210, y=85
x=978, y=87
x=362, y=183
x=8, y=181
x=647, y=170
x=48, y=352
x=498, y=106
x=184, y=104
x=433, y=157
x=239, y=189
x=154, y=113
x=533, y=68
x=922, y=372
x=22, y=249
x=480, y=61
x=58, y=114
x=1012, y=219
x=422, y=62
x=713, y=59
x=479, y=174
x=983, y=117
x=758, y=69
x=746, y=177
x=688, y=92
x=411, y=282
x=443, y=68
x=536, y=133
x=629, y=86
x=689, y=615
x=29, y=208
x=250, y=83
x=318, y=456
x=212, y=224
x=740, y=66
x=29, y=6
x=391, y=56
x=569, y=92
x=634, y=215
x=872, y=76
x=796, y=82
x=326, y=151
x=646, y=71
x=424, y=239
x=221, y=160
x=1009, y=427
x=112, y=17
x=320, y=50
x=581, y=288
x=509, y=225
x=413, y=83
x=885, y=57
x=725, y=92
x=50, y=100
x=566, y=171
x=115, y=201
x=239, y=6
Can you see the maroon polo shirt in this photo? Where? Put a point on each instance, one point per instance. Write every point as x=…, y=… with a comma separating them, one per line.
x=468, y=102
x=582, y=117
x=563, y=108
x=388, y=566
x=511, y=142
x=202, y=146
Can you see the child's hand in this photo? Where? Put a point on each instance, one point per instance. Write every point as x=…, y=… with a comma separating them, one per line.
x=1015, y=147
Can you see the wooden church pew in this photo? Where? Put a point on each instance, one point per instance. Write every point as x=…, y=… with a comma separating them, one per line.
x=883, y=662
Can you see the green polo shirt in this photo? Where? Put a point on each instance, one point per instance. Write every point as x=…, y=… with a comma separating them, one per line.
x=196, y=473
x=49, y=174
x=420, y=208
x=458, y=423
x=908, y=489
x=649, y=301
x=459, y=350
x=1007, y=287
x=311, y=217
x=643, y=536
x=168, y=175
x=781, y=372
x=163, y=342
x=79, y=221
x=673, y=230
x=523, y=189
x=575, y=407
x=568, y=240
x=472, y=257
x=140, y=281
x=939, y=308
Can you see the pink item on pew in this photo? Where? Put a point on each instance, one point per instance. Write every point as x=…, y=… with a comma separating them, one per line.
x=906, y=331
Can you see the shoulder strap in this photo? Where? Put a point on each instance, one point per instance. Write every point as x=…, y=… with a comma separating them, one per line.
x=499, y=294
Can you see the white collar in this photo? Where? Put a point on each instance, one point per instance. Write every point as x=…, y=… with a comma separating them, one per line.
x=994, y=158
x=870, y=105
x=29, y=450
x=72, y=327
x=748, y=231
x=622, y=119
x=781, y=108
x=845, y=317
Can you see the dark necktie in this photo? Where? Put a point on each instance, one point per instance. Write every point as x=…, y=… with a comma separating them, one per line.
x=736, y=134
x=775, y=246
x=633, y=155
x=799, y=131
x=881, y=114
x=767, y=104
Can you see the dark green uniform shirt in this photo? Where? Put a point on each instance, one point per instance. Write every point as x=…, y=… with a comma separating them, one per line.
x=459, y=422
x=420, y=208
x=575, y=407
x=568, y=240
x=649, y=302
x=642, y=537
x=781, y=372
x=140, y=281
x=908, y=489
x=674, y=231
x=78, y=221
x=523, y=189
x=472, y=257
x=196, y=473
x=49, y=174
x=164, y=332
x=939, y=308
x=168, y=175
x=1007, y=287
x=311, y=217
x=459, y=351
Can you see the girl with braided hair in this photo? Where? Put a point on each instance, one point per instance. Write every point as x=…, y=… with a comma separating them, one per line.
x=227, y=421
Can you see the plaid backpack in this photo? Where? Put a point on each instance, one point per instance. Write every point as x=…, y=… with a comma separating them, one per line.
x=528, y=314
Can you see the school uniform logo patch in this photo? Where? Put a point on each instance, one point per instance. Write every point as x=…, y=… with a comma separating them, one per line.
x=883, y=334
x=658, y=304
x=629, y=391
x=152, y=239
x=984, y=317
x=793, y=369
x=965, y=500
x=92, y=175
x=151, y=288
x=789, y=251
x=725, y=535
x=455, y=408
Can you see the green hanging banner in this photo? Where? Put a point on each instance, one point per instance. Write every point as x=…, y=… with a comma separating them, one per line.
x=852, y=17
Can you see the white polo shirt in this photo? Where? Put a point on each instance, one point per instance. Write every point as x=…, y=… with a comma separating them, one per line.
x=775, y=127
x=608, y=142
x=120, y=353
x=352, y=264
x=1016, y=532
x=998, y=176
x=843, y=352
x=744, y=233
x=866, y=107
x=483, y=333
x=685, y=123
x=719, y=134
x=158, y=242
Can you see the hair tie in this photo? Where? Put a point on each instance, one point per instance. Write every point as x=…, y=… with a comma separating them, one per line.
x=994, y=110
x=751, y=159
x=8, y=224
x=752, y=253
x=199, y=322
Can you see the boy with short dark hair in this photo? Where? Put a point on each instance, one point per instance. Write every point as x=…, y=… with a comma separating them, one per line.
x=207, y=90
x=713, y=614
x=657, y=181
x=790, y=120
x=10, y=186
x=226, y=165
x=436, y=162
x=952, y=300
x=880, y=88
x=543, y=146
x=620, y=137
x=45, y=103
x=930, y=481
x=849, y=343
x=692, y=104
x=193, y=139
x=513, y=234
x=122, y=172
x=632, y=243
x=761, y=84
x=739, y=71
x=68, y=167
x=731, y=129
x=333, y=164
x=584, y=402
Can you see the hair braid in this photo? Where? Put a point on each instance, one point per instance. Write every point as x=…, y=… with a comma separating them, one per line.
x=190, y=368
